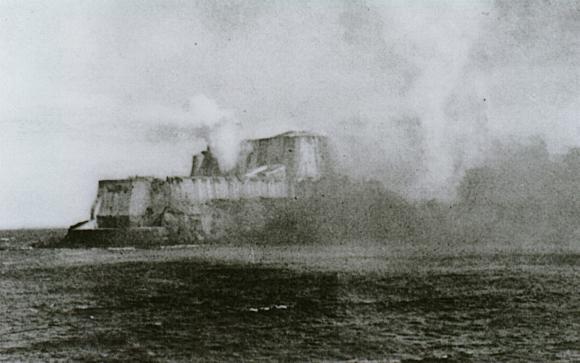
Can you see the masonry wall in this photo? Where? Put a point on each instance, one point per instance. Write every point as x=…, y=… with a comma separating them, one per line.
x=305, y=157
x=112, y=206
x=212, y=202
x=140, y=202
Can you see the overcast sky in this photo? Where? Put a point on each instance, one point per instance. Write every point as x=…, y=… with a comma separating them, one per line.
x=411, y=92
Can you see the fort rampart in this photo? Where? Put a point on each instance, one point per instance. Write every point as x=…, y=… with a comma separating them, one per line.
x=211, y=200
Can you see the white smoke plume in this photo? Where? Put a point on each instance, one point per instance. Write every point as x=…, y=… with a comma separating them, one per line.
x=438, y=40
x=420, y=120
x=413, y=92
x=219, y=127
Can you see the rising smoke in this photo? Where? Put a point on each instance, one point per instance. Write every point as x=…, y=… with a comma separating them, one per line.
x=441, y=38
x=219, y=127
x=413, y=92
x=433, y=126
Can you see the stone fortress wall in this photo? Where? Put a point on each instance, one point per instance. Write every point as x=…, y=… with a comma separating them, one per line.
x=268, y=169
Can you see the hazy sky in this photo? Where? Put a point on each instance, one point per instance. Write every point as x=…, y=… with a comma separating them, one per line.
x=412, y=92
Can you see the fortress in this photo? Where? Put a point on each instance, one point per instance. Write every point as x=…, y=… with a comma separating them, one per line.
x=210, y=201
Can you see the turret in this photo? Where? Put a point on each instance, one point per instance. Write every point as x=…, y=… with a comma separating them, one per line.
x=205, y=164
